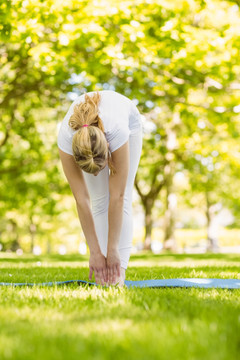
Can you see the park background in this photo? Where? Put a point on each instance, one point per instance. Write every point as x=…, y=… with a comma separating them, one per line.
x=179, y=62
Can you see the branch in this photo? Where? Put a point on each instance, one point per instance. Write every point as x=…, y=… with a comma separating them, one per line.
x=142, y=196
x=8, y=128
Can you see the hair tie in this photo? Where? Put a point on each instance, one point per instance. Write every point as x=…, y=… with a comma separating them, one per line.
x=84, y=125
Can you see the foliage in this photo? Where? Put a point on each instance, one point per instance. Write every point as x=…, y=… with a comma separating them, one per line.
x=175, y=57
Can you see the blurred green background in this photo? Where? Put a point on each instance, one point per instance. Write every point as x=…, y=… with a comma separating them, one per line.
x=179, y=62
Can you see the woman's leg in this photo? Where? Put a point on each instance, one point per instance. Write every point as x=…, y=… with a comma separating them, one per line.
x=126, y=235
x=98, y=188
x=99, y=195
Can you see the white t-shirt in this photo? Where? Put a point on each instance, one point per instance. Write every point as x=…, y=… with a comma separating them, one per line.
x=119, y=115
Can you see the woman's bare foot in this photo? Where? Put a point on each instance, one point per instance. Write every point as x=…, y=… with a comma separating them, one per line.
x=120, y=279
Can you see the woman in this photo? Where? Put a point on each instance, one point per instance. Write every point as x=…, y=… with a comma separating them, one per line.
x=100, y=143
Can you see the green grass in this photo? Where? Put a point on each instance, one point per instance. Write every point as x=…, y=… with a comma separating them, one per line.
x=84, y=322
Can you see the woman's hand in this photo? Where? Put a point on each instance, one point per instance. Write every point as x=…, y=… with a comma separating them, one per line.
x=97, y=263
x=113, y=265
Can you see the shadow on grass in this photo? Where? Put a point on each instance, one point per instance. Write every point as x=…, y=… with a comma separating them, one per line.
x=147, y=255
x=48, y=258
x=143, y=255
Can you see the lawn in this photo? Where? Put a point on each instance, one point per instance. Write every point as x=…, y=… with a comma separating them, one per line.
x=84, y=322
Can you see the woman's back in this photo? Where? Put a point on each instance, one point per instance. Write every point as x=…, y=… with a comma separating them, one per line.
x=119, y=115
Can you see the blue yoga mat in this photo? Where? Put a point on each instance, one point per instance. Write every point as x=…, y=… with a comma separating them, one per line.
x=155, y=283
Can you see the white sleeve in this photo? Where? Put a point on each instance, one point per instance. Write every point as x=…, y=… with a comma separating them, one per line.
x=65, y=134
x=117, y=138
x=135, y=116
x=64, y=140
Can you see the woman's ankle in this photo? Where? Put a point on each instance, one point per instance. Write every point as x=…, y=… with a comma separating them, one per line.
x=122, y=270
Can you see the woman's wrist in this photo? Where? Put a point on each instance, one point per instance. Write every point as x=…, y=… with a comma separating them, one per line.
x=95, y=250
x=112, y=249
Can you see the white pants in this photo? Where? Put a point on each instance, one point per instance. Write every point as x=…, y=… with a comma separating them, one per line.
x=99, y=194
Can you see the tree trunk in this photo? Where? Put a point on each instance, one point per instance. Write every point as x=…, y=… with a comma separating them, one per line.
x=32, y=229
x=148, y=224
x=15, y=243
x=49, y=247
x=212, y=224
x=156, y=186
x=208, y=218
x=169, y=241
x=148, y=201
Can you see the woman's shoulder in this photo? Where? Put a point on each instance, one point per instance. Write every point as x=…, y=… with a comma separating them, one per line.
x=110, y=95
x=113, y=93
x=114, y=99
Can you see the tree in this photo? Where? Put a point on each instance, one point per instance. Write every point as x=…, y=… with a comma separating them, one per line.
x=173, y=58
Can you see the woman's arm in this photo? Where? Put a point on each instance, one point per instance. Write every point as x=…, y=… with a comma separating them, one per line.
x=115, y=218
x=117, y=184
x=87, y=223
x=79, y=189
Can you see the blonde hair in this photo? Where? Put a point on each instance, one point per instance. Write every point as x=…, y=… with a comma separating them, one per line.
x=89, y=144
